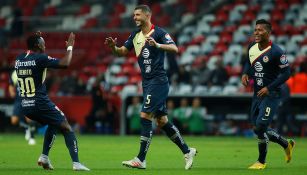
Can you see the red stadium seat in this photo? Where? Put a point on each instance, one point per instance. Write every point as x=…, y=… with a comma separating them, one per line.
x=132, y=60
x=85, y=9
x=135, y=79
x=90, y=23
x=2, y=22
x=50, y=11
x=156, y=8
x=114, y=22
x=117, y=89
x=27, y=11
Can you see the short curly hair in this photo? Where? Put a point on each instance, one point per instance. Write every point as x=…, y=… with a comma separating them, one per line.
x=267, y=24
x=33, y=41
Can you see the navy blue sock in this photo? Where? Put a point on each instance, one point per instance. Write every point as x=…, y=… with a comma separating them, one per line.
x=146, y=135
x=49, y=138
x=173, y=133
x=275, y=137
x=262, y=148
x=32, y=129
x=72, y=145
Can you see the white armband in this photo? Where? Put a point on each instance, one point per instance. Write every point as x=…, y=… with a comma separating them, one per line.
x=69, y=48
x=158, y=45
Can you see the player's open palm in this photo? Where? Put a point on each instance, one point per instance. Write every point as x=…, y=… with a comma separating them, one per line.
x=110, y=42
x=71, y=40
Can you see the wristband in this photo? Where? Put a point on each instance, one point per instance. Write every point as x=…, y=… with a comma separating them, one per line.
x=69, y=48
x=158, y=45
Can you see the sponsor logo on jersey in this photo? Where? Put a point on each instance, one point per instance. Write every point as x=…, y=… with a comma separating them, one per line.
x=147, y=68
x=259, y=81
x=265, y=59
x=145, y=53
x=27, y=103
x=258, y=66
x=24, y=63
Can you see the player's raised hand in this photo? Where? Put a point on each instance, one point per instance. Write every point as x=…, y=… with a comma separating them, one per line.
x=244, y=79
x=71, y=40
x=151, y=41
x=110, y=42
x=263, y=92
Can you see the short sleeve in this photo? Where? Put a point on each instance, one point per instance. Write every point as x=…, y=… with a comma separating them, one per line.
x=129, y=43
x=49, y=62
x=281, y=59
x=166, y=38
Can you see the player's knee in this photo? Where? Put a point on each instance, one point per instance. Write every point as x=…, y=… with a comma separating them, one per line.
x=161, y=121
x=14, y=120
x=260, y=131
x=146, y=115
x=65, y=127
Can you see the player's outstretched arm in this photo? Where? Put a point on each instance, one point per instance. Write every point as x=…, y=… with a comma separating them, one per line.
x=65, y=61
x=119, y=51
x=166, y=47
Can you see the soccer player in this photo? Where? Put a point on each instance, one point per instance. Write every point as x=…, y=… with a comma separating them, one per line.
x=31, y=68
x=268, y=66
x=150, y=44
x=18, y=117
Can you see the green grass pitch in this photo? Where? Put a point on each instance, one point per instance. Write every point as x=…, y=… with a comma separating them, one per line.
x=104, y=154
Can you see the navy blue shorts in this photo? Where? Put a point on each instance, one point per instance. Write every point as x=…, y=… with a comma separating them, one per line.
x=264, y=109
x=45, y=114
x=17, y=110
x=154, y=99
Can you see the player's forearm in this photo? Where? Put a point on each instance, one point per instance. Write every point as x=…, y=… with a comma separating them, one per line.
x=168, y=47
x=12, y=91
x=118, y=51
x=284, y=76
x=65, y=61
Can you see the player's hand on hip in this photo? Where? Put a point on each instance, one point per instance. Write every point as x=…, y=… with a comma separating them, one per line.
x=151, y=41
x=71, y=40
x=244, y=79
x=110, y=42
x=263, y=92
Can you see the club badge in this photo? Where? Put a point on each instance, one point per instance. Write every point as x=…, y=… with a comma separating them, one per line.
x=265, y=59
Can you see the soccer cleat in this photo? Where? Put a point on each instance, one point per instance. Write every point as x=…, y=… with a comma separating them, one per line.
x=289, y=150
x=44, y=161
x=135, y=163
x=31, y=141
x=189, y=158
x=257, y=166
x=77, y=166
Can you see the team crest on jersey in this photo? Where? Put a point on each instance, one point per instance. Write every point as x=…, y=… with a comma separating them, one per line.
x=265, y=59
x=145, y=53
x=283, y=59
x=258, y=66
